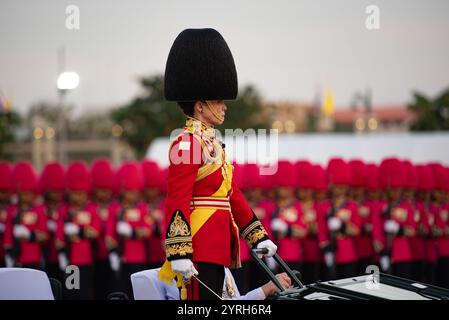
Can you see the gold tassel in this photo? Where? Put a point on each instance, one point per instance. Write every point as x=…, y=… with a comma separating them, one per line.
x=183, y=291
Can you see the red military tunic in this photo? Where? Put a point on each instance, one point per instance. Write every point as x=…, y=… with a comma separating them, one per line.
x=402, y=213
x=290, y=245
x=205, y=209
x=418, y=242
x=311, y=248
x=52, y=215
x=441, y=214
x=103, y=214
x=133, y=249
x=344, y=241
x=80, y=247
x=364, y=242
x=30, y=250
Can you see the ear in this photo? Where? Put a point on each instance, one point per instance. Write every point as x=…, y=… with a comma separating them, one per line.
x=198, y=107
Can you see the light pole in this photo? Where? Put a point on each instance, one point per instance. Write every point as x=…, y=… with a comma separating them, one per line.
x=67, y=80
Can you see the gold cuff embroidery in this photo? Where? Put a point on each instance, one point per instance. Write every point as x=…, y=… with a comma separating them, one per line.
x=178, y=249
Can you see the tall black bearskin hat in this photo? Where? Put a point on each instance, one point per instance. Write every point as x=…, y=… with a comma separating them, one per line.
x=200, y=66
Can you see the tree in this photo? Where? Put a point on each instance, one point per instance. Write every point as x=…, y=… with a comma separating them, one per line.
x=430, y=114
x=9, y=121
x=150, y=116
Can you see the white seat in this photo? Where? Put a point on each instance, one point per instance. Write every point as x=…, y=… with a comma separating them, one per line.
x=146, y=286
x=24, y=284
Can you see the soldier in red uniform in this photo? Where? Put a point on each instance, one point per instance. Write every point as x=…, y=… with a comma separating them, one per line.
x=416, y=242
x=129, y=226
x=154, y=198
x=6, y=187
x=26, y=224
x=103, y=183
x=78, y=229
x=394, y=225
x=339, y=223
x=288, y=224
x=425, y=241
x=205, y=210
x=440, y=210
x=52, y=182
x=364, y=242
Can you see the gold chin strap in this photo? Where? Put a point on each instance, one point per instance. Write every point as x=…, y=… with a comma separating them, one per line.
x=214, y=112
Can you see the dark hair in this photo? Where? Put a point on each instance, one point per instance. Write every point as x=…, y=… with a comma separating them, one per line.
x=187, y=107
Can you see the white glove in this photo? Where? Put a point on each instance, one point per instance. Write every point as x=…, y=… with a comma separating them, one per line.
x=268, y=244
x=391, y=226
x=279, y=225
x=114, y=261
x=2, y=227
x=9, y=261
x=71, y=229
x=271, y=263
x=329, y=259
x=385, y=263
x=334, y=224
x=21, y=232
x=185, y=267
x=124, y=229
x=63, y=261
x=51, y=225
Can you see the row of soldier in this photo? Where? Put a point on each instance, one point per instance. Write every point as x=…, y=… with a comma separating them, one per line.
x=328, y=223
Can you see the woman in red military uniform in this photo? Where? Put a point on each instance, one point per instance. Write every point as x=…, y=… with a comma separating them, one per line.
x=288, y=224
x=78, y=229
x=128, y=227
x=309, y=207
x=339, y=224
x=52, y=181
x=6, y=187
x=154, y=182
x=103, y=183
x=394, y=225
x=205, y=209
x=26, y=224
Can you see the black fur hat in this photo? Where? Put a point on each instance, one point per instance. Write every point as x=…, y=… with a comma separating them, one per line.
x=200, y=66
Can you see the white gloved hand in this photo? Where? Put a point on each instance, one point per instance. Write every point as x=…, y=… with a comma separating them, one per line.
x=329, y=259
x=124, y=229
x=279, y=225
x=63, y=261
x=114, y=261
x=391, y=226
x=185, y=267
x=2, y=227
x=268, y=244
x=385, y=263
x=9, y=261
x=271, y=263
x=51, y=225
x=334, y=224
x=22, y=232
x=71, y=229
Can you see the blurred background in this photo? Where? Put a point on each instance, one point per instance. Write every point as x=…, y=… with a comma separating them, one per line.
x=306, y=68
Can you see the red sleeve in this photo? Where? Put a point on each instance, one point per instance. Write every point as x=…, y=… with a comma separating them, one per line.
x=111, y=237
x=60, y=235
x=146, y=222
x=378, y=226
x=42, y=226
x=185, y=160
x=356, y=220
x=323, y=231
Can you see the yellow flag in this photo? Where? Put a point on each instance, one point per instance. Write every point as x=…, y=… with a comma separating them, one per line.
x=328, y=107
